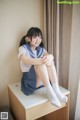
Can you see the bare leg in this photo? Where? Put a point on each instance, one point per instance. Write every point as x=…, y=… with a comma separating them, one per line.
x=52, y=73
x=42, y=73
x=54, y=80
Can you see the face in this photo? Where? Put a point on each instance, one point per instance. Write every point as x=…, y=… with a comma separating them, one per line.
x=35, y=42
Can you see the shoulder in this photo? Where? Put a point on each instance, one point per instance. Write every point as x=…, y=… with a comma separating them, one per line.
x=23, y=48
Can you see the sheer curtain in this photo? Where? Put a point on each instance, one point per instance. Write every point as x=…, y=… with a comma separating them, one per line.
x=74, y=64
x=62, y=39
x=77, y=113
x=50, y=26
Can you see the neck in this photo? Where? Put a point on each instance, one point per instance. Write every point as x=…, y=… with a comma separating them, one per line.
x=32, y=47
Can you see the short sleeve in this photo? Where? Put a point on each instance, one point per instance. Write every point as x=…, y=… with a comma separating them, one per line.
x=21, y=51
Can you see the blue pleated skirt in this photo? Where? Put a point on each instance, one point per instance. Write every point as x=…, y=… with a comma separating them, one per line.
x=28, y=81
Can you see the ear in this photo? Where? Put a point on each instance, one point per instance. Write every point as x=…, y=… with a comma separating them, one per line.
x=27, y=39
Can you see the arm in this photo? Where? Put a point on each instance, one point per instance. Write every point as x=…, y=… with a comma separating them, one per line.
x=48, y=58
x=31, y=61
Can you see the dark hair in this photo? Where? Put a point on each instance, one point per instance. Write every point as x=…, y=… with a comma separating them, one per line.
x=33, y=31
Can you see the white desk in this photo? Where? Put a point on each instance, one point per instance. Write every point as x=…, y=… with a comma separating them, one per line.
x=33, y=106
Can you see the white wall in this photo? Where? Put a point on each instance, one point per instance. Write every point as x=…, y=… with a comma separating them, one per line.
x=16, y=16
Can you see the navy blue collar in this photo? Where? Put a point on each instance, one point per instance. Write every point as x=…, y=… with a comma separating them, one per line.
x=39, y=51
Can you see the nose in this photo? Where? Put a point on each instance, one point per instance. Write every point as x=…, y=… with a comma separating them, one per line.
x=37, y=39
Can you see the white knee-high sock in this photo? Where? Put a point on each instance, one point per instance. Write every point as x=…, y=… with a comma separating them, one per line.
x=52, y=96
x=60, y=95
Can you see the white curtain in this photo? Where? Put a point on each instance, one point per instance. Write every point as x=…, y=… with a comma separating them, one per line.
x=50, y=9
x=62, y=38
x=77, y=113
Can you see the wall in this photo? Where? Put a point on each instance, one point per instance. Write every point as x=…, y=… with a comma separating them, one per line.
x=16, y=16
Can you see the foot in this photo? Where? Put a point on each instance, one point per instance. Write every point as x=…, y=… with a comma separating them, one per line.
x=58, y=93
x=52, y=96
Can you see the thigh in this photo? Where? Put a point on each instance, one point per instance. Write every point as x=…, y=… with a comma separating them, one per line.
x=38, y=79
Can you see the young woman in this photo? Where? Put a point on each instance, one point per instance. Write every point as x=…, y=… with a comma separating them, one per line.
x=38, y=67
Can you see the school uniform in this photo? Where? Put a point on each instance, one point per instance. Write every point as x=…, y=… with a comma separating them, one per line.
x=28, y=81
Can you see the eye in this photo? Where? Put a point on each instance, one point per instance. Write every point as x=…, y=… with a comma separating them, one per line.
x=40, y=37
x=34, y=37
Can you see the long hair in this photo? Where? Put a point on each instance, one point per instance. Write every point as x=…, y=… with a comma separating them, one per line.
x=33, y=31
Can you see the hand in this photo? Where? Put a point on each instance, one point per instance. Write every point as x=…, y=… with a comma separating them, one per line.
x=47, y=59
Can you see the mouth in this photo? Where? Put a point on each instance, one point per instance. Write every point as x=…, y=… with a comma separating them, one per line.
x=37, y=43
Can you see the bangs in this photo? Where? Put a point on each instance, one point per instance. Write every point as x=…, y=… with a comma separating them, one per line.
x=37, y=34
x=34, y=31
